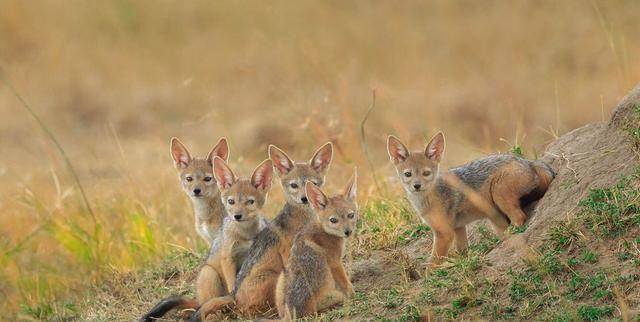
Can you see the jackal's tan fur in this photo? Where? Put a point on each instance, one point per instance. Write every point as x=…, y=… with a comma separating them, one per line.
x=197, y=181
x=255, y=289
x=255, y=286
x=243, y=200
x=315, y=278
x=494, y=187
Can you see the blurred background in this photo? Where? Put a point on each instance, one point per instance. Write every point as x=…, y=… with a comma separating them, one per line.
x=115, y=80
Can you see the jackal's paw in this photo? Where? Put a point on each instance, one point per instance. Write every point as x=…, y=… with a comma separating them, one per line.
x=351, y=293
x=432, y=266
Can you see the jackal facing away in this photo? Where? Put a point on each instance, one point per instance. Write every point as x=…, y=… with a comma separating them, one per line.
x=243, y=199
x=197, y=181
x=314, y=278
x=495, y=187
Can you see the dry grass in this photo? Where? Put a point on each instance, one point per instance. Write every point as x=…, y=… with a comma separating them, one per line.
x=114, y=80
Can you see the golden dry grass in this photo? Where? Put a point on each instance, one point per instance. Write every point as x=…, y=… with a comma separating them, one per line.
x=114, y=80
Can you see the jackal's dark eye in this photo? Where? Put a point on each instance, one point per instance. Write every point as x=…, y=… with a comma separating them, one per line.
x=407, y=174
x=189, y=179
x=426, y=173
x=294, y=185
x=333, y=220
x=250, y=202
x=231, y=201
x=207, y=179
x=351, y=215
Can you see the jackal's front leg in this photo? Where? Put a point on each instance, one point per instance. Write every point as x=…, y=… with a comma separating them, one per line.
x=461, y=239
x=228, y=272
x=441, y=243
x=342, y=280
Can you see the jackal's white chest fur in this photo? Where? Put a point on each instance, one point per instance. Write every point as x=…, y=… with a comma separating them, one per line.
x=419, y=203
x=203, y=215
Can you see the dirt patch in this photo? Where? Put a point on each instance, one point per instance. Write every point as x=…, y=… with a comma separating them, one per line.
x=129, y=295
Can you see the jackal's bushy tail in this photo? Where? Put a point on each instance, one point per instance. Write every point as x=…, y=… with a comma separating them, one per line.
x=168, y=304
x=545, y=175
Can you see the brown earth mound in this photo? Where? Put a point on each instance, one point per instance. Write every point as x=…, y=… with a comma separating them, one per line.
x=595, y=155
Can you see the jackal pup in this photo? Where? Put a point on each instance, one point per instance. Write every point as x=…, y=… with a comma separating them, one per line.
x=314, y=278
x=255, y=287
x=243, y=199
x=254, y=291
x=495, y=187
x=197, y=181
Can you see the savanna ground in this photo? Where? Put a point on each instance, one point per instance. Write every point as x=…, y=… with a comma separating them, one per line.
x=114, y=80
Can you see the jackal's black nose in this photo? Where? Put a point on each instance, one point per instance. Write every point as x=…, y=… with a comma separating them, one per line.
x=347, y=232
x=196, y=191
x=417, y=186
x=237, y=217
x=304, y=200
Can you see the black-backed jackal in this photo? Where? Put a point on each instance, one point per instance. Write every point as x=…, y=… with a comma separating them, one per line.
x=315, y=278
x=495, y=187
x=197, y=181
x=255, y=286
x=243, y=200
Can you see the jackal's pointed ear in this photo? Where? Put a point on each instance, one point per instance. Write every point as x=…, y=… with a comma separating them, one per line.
x=262, y=175
x=281, y=160
x=221, y=150
x=222, y=172
x=322, y=158
x=397, y=151
x=317, y=198
x=350, y=187
x=180, y=154
x=435, y=148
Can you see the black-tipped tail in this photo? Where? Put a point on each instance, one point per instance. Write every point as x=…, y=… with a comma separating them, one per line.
x=168, y=304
